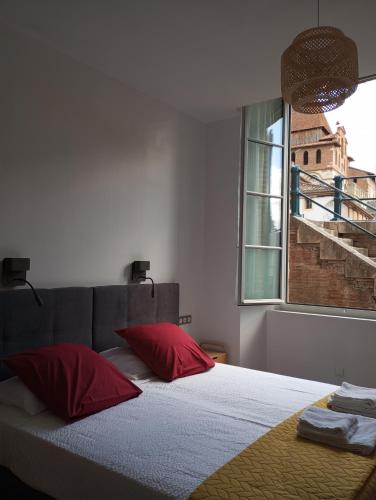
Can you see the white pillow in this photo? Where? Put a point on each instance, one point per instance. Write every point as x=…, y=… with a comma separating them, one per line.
x=128, y=363
x=14, y=392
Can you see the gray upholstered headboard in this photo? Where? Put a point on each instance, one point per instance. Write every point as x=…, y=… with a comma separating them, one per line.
x=84, y=315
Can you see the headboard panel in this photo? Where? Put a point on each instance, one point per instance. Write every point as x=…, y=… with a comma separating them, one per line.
x=121, y=306
x=65, y=317
x=78, y=314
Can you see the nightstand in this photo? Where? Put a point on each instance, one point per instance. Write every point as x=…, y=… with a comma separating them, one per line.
x=217, y=355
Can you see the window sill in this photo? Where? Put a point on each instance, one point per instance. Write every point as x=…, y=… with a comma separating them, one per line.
x=327, y=311
x=261, y=302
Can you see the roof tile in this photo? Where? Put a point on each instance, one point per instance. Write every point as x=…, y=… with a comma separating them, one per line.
x=300, y=121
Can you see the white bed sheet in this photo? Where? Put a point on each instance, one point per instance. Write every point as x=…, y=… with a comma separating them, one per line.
x=162, y=444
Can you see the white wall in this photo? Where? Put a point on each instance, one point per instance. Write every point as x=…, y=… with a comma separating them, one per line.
x=253, y=336
x=94, y=175
x=325, y=348
x=242, y=329
x=219, y=317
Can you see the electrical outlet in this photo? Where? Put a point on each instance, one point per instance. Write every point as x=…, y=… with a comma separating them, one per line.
x=185, y=319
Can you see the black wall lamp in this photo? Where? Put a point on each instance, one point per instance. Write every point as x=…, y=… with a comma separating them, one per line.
x=139, y=268
x=14, y=271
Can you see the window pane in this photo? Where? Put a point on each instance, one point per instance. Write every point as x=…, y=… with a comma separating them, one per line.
x=263, y=221
x=323, y=271
x=264, y=121
x=262, y=273
x=264, y=169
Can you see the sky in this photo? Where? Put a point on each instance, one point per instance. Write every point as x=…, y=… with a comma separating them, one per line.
x=358, y=116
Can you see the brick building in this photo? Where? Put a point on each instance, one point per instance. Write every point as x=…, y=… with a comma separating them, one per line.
x=323, y=153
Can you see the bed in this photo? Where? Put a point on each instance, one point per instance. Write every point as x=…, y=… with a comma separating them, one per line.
x=163, y=444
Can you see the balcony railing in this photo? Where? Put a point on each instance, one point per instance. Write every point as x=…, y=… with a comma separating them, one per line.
x=355, y=190
x=339, y=196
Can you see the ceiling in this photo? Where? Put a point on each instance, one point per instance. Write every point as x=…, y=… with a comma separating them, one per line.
x=203, y=57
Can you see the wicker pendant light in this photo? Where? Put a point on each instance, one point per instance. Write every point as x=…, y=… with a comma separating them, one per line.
x=319, y=70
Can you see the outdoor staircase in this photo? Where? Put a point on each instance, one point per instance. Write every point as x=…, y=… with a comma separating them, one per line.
x=332, y=263
x=353, y=236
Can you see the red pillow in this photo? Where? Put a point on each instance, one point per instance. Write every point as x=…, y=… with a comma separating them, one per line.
x=71, y=379
x=167, y=350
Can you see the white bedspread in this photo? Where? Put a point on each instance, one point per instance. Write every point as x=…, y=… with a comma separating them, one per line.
x=162, y=444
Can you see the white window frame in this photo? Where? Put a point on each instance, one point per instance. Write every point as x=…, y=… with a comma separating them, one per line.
x=284, y=215
x=281, y=303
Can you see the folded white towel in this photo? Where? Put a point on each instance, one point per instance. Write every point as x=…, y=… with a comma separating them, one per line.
x=327, y=423
x=358, y=395
x=362, y=441
x=355, y=400
x=353, y=410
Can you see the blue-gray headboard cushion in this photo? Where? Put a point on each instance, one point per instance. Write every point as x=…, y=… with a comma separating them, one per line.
x=121, y=306
x=65, y=317
x=80, y=314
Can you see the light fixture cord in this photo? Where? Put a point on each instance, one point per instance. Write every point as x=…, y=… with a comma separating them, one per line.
x=152, y=285
x=37, y=297
x=318, y=13
x=139, y=280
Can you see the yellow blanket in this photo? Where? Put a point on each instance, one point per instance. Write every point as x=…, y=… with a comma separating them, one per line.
x=280, y=465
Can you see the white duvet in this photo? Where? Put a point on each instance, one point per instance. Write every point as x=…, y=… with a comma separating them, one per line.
x=162, y=444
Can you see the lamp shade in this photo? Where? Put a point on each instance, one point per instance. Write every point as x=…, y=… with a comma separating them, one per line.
x=319, y=70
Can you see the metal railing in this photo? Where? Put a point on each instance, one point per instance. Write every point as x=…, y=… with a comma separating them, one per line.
x=339, y=196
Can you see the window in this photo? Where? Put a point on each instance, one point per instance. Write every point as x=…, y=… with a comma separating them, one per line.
x=293, y=157
x=262, y=213
x=324, y=270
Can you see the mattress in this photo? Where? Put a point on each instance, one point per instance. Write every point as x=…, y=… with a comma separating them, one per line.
x=162, y=444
